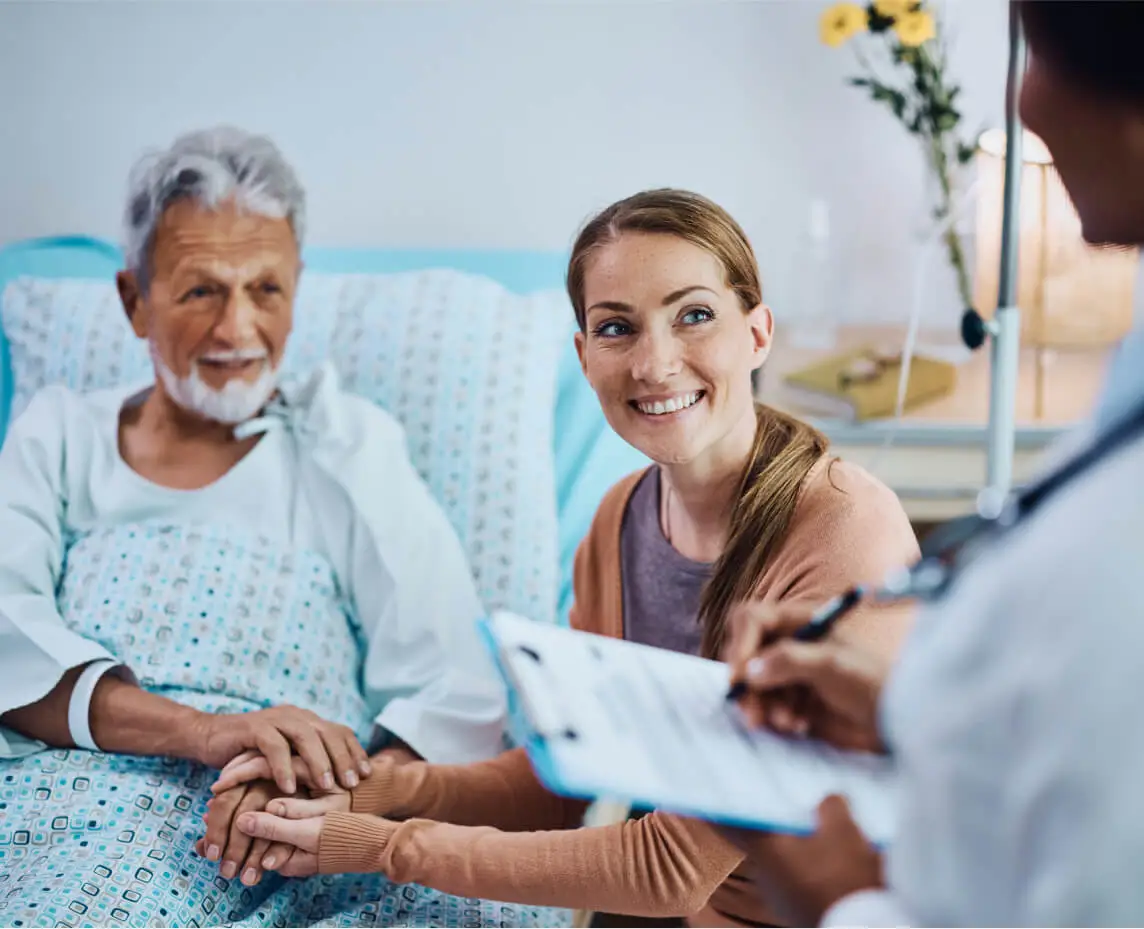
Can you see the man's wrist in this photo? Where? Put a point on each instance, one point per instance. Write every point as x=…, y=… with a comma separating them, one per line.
x=190, y=730
x=79, y=703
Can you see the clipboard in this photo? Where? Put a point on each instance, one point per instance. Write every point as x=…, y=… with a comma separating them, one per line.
x=606, y=719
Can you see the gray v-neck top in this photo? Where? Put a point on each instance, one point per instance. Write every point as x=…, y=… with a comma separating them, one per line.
x=661, y=588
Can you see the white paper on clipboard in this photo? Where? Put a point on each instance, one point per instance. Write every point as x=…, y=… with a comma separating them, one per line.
x=622, y=721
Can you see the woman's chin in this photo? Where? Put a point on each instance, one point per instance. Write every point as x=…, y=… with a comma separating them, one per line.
x=662, y=449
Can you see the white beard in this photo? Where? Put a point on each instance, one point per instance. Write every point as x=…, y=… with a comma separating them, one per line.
x=235, y=403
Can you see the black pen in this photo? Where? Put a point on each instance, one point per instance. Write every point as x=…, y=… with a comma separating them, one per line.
x=815, y=628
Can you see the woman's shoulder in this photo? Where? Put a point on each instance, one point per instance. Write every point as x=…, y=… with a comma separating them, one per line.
x=838, y=487
x=843, y=504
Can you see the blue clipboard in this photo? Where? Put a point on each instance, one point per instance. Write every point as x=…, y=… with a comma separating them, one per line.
x=593, y=712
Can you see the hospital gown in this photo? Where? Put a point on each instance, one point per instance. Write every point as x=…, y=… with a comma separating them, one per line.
x=269, y=586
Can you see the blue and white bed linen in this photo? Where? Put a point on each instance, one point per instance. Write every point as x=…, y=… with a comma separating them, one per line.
x=225, y=621
x=318, y=571
x=331, y=474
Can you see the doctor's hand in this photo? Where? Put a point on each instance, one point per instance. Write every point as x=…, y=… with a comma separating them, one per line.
x=827, y=690
x=802, y=877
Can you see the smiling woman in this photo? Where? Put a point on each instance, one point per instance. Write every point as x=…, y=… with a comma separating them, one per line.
x=672, y=324
x=741, y=503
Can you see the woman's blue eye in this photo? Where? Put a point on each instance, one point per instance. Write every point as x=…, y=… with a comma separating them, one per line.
x=197, y=293
x=610, y=330
x=698, y=314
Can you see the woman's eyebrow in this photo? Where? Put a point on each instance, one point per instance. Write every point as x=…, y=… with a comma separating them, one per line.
x=675, y=296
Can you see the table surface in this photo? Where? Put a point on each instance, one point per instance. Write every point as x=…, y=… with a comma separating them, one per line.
x=1072, y=383
x=935, y=458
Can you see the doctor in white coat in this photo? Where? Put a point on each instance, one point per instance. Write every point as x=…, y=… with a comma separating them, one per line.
x=1012, y=710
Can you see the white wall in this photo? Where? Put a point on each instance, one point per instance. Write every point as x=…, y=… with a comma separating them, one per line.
x=486, y=124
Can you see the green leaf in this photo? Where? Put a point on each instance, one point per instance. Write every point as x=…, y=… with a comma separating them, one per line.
x=859, y=82
x=965, y=153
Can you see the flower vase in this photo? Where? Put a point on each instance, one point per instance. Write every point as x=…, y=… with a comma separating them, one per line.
x=946, y=238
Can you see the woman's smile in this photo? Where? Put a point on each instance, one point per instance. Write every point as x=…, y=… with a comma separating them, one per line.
x=667, y=407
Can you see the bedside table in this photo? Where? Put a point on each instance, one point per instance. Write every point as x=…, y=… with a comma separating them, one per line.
x=935, y=458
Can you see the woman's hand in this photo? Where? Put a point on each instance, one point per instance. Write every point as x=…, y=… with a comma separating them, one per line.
x=331, y=752
x=801, y=877
x=254, y=766
x=295, y=841
x=827, y=689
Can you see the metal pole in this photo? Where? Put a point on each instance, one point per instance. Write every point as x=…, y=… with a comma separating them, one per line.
x=1006, y=330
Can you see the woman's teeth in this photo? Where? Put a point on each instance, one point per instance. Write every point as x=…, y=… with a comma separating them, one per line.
x=674, y=405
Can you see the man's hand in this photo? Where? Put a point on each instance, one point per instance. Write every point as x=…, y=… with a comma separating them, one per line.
x=240, y=856
x=827, y=689
x=801, y=877
x=328, y=749
x=252, y=766
x=295, y=840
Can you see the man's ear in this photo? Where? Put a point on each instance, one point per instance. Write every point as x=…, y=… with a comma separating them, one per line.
x=762, y=323
x=131, y=296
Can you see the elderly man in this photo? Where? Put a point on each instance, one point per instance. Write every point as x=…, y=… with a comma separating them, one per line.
x=210, y=565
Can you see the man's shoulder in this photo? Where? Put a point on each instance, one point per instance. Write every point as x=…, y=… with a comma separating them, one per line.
x=364, y=414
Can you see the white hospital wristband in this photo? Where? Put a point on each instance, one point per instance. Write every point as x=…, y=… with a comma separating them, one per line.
x=79, y=707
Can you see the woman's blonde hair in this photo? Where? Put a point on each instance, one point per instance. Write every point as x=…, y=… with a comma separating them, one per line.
x=785, y=449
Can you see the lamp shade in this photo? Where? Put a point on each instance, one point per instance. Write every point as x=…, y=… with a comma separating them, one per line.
x=1071, y=294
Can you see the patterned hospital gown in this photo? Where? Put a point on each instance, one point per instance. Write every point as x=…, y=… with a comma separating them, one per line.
x=224, y=623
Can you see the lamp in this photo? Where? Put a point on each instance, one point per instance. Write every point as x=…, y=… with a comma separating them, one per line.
x=1071, y=294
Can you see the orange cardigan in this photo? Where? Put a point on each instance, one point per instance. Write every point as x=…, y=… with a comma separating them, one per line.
x=491, y=830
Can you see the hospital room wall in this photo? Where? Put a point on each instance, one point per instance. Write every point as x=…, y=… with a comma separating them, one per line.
x=494, y=124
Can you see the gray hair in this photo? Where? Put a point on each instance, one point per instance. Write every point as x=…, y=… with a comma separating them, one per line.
x=209, y=166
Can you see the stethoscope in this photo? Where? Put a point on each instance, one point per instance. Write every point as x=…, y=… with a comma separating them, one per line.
x=951, y=546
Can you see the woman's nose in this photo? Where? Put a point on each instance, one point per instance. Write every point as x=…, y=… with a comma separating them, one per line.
x=657, y=357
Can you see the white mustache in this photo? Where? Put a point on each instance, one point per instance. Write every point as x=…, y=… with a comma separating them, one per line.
x=237, y=354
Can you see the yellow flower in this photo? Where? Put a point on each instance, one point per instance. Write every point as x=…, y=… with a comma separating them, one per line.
x=915, y=28
x=840, y=22
x=892, y=9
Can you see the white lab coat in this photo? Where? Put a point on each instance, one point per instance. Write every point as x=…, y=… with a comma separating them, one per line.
x=1013, y=714
x=331, y=474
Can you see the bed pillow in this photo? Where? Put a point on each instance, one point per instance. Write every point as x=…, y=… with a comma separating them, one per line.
x=468, y=367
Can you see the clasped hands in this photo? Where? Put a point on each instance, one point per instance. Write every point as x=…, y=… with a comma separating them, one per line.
x=281, y=765
x=242, y=817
